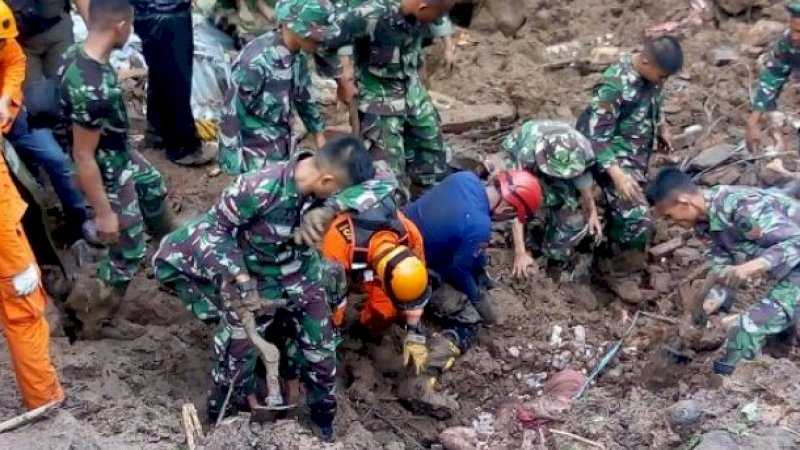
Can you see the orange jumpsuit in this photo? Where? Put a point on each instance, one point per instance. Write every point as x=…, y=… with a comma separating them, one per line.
x=379, y=311
x=12, y=76
x=22, y=318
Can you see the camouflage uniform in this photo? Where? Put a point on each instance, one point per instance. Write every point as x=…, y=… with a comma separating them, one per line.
x=267, y=80
x=745, y=223
x=622, y=125
x=92, y=98
x=781, y=60
x=398, y=118
x=249, y=230
x=560, y=157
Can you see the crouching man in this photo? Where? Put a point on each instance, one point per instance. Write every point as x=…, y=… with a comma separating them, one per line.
x=752, y=232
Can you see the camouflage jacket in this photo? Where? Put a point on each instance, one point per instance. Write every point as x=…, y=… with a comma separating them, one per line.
x=267, y=80
x=746, y=223
x=782, y=58
x=92, y=98
x=553, y=151
x=387, y=51
x=250, y=227
x=623, y=118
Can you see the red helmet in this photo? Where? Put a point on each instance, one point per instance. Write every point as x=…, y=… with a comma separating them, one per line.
x=521, y=189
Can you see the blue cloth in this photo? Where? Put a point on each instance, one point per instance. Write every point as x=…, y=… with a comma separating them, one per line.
x=38, y=146
x=455, y=221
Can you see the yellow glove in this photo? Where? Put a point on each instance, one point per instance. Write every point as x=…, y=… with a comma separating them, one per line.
x=415, y=352
x=207, y=130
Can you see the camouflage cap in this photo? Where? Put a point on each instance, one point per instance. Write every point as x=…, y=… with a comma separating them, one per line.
x=310, y=19
x=558, y=149
x=794, y=7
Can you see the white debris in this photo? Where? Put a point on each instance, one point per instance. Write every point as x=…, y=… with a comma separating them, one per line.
x=580, y=334
x=555, y=336
x=514, y=351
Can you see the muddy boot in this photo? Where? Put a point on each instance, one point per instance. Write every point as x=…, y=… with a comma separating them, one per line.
x=162, y=222
x=323, y=427
x=87, y=308
x=117, y=328
x=486, y=311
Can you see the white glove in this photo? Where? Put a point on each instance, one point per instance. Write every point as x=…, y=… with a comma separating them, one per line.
x=27, y=281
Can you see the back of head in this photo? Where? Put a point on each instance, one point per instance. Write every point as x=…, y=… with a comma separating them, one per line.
x=522, y=190
x=106, y=13
x=668, y=182
x=348, y=156
x=8, y=25
x=665, y=52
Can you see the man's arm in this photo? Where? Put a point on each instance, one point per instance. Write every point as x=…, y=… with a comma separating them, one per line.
x=772, y=79
x=777, y=234
x=307, y=107
x=84, y=148
x=83, y=9
x=13, y=76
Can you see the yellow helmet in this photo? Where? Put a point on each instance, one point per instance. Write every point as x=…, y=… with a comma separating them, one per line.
x=403, y=275
x=8, y=25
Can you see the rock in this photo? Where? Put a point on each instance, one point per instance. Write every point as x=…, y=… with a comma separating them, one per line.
x=507, y=16
x=712, y=156
x=60, y=431
x=763, y=33
x=459, y=438
x=685, y=413
x=603, y=56
x=776, y=438
x=563, y=51
x=686, y=255
x=722, y=175
x=737, y=6
x=468, y=117
x=687, y=138
x=627, y=290
x=667, y=247
x=723, y=56
x=717, y=440
x=662, y=282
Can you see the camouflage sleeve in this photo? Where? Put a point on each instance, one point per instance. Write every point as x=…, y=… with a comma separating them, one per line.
x=355, y=22
x=305, y=101
x=89, y=106
x=605, y=111
x=776, y=71
x=363, y=196
x=249, y=81
x=775, y=233
x=239, y=203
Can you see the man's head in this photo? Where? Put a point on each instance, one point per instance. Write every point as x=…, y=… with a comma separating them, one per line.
x=674, y=195
x=8, y=25
x=427, y=11
x=111, y=17
x=662, y=57
x=793, y=6
x=517, y=193
x=342, y=162
x=306, y=23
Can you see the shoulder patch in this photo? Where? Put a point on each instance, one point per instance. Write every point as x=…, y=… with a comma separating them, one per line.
x=346, y=231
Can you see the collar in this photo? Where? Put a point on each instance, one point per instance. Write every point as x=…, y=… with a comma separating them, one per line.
x=712, y=212
x=633, y=75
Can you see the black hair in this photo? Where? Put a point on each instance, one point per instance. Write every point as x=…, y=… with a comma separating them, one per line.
x=665, y=52
x=348, y=154
x=103, y=12
x=668, y=182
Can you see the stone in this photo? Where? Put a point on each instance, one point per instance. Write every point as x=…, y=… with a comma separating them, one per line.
x=687, y=138
x=717, y=440
x=712, y=156
x=468, y=117
x=667, y=247
x=662, y=282
x=627, y=290
x=723, y=56
x=508, y=18
x=604, y=55
x=685, y=413
x=722, y=175
x=686, y=256
x=59, y=431
x=735, y=7
x=763, y=33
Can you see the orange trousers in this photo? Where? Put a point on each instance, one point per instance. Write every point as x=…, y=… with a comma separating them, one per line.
x=378, y=312
x=28, y=336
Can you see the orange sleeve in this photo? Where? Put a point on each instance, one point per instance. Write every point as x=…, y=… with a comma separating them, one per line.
x=12, y=63
x=15, y=252
x=336, y=244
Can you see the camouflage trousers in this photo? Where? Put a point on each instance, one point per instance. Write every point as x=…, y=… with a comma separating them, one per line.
x=456, y=315
x=310, y=346
x=775, y=313
x=629, y=224
x=254, y=154
x=135, y=190
x=411, y=142
x=564, y=221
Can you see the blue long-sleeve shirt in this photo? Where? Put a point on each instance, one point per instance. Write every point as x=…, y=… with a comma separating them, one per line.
x=456, y=224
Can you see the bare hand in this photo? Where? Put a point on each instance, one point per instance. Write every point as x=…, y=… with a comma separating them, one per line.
x=107, y=228
x=523, y=265
x=595, y=228
x=735, y=276
x=665, y=141
x=346, y=90
x=753, y=137
x=312, y=228
x=627, y=188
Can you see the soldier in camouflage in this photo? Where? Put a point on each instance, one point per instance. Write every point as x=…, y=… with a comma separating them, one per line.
x=624, y=122
x=397, y=116
x=752, y=232
x=242, y=253
x=124, y=189
x=269, y=79
x=560, y=157
x=781, y=60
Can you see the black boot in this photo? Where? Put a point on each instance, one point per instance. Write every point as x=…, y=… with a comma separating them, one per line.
x=323, y=426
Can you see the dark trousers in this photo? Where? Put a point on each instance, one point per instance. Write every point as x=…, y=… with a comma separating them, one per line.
x=168, y=46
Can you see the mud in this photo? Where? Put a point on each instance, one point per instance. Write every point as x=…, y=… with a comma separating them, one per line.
x=132, y=392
